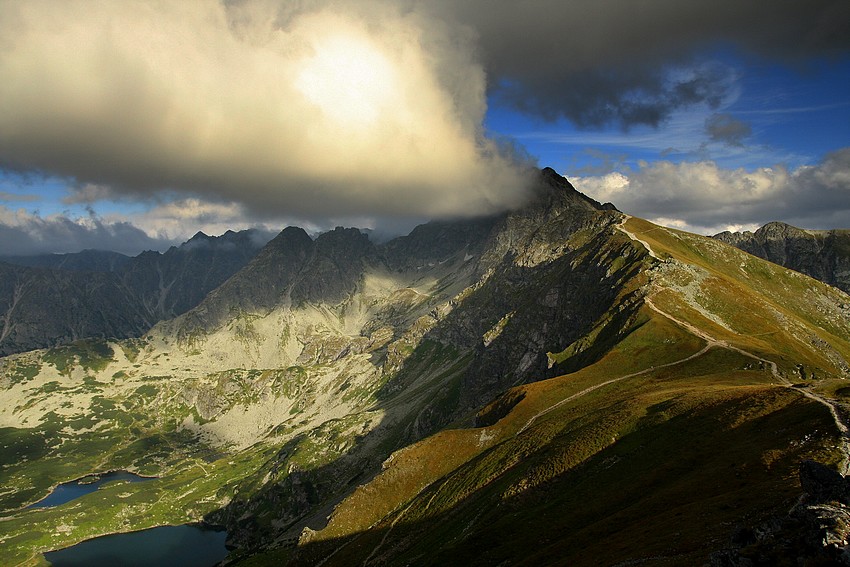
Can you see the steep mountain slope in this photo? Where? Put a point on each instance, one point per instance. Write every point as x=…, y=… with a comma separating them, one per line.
x=311, y=364
x=821, y=254
x=41, y=307
x=530, y=387
x=85, y=261
x=175, y=281
x=687, y=427
x=99, y=294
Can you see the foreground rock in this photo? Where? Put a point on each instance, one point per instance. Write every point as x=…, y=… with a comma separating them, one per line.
x=815, y=531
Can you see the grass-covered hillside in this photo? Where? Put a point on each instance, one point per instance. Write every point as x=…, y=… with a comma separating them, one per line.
x=690, y=426
x=560, y=384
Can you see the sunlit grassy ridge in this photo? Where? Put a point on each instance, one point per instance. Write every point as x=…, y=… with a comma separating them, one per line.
x=763, y=306
x=663, y=423
x=653, y=453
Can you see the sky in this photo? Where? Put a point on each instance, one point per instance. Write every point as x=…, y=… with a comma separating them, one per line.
x=132, y=125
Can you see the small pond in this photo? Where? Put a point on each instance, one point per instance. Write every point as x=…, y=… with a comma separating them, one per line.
x=166, y=546
x=68, y=491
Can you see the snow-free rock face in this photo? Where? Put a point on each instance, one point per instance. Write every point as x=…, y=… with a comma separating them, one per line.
x=521, y=387
x=40, y=307
x=175, y=281
x=52, y=300
x=821, y=254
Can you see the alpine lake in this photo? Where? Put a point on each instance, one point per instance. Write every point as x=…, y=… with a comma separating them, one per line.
x=185, y=545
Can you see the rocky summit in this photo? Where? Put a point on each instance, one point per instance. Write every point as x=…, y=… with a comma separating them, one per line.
x=561, y=384
x=821, y=254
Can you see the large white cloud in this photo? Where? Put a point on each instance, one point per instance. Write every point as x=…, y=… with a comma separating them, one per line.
x=703, y=197
x=371, y=109
x=355, y=108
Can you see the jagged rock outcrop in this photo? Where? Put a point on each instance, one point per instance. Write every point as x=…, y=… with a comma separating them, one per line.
x=339, y=257
x=292, y=267
x=821, y=254
x=435, y=241
x=816, y=531
x=473, y=308
x=177, y=280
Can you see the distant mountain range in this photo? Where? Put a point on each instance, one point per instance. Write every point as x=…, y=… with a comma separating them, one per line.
x=48, y=300
x=561, y=384
x=85, y=261
x=821, y=254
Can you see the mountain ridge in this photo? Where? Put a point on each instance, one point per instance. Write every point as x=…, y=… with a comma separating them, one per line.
x=821, y=254
x=527, y=387
x=57, y=299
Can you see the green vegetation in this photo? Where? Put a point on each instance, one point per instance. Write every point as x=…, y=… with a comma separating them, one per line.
x=664, y=427
x=132, y=348
x=664, y=436
x=684, y=448
x=21, y=370
x=90, y=354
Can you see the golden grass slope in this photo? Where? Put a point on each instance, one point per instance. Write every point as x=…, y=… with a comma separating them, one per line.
x=692, y=424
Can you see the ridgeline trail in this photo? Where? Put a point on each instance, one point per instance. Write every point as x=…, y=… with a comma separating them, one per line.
x=710, y=342
x=844, y=434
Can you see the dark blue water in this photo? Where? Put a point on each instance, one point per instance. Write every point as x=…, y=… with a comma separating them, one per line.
x=70, y=490
x=167, y=546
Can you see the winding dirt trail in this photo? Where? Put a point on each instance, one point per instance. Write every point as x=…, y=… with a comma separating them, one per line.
x=844, y=446
x=782, y=380
x=613, y=380
x=710, y=341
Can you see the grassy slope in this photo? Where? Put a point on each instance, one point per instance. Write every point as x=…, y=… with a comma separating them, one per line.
x=635, y=443
x=140, y=430
x=657, y=466
x=770, y=310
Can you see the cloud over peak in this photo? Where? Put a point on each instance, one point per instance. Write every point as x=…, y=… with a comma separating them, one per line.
x=325, y=109
x=310, y=112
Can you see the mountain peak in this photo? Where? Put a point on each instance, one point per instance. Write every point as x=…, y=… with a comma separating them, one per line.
x=554, y=189
x=291, y=234
x=822, y=255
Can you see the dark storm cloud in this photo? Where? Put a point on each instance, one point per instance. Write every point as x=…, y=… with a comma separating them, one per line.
x=596, y=97
x=612, y=61
x=727, y=129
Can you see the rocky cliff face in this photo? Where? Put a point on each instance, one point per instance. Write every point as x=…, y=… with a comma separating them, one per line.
x=175, y=281
x=439, y=321
x=55, y=299
x=823, y=255
x=40, y=307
